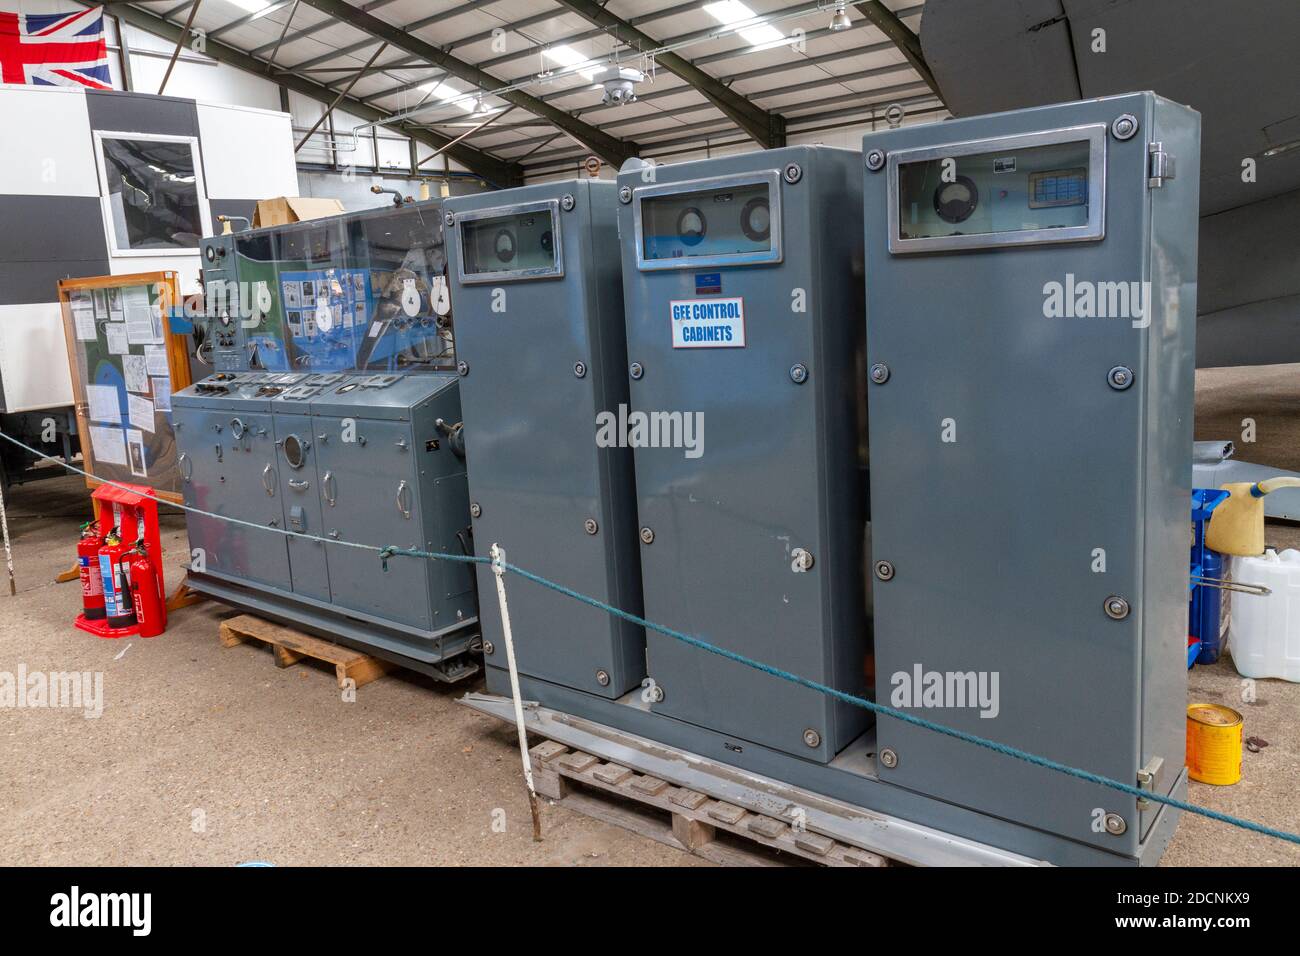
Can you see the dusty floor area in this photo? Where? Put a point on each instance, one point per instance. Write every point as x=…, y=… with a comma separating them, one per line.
x=214, y=756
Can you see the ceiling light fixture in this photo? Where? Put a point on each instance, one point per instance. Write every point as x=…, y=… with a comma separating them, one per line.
x=840, y=21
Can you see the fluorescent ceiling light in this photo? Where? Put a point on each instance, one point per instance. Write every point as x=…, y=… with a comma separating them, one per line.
x=252, y=6
x=566, y=56
x=444, y=92
x=728, y=12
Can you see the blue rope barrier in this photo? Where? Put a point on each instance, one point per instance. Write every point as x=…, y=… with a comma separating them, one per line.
x=384, y=553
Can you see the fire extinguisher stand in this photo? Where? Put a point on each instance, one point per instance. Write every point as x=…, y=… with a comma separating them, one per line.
x=133, y=510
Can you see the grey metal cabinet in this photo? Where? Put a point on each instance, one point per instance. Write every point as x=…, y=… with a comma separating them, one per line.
x=743, y=309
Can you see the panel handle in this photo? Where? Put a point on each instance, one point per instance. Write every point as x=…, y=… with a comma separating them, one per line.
x=181, y=461
x=267, y=479
x=403, y=497
x=329, y=486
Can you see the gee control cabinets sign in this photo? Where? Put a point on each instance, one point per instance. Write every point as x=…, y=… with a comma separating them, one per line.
x=1030, y=457
x=708, y=323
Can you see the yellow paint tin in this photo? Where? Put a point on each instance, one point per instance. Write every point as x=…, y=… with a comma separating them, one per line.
x=1213, y=744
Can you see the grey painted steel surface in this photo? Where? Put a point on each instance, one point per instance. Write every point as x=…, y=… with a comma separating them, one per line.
x=536, y=472
x=780, y=468
x=374, y=470
x=993, y=567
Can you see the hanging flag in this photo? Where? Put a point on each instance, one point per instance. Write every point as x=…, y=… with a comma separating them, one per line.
x=55, y=49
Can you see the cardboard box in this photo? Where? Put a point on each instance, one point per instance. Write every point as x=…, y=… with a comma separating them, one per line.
x=286, y=209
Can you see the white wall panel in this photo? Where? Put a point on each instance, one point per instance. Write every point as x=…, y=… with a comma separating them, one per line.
x=247, y=153
x=30, y=332
x=47, y=147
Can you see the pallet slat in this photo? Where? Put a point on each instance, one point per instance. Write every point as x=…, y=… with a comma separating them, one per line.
x=289, y=647
x=694, y=818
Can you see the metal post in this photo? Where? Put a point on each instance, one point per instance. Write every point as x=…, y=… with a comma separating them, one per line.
x=499, y=569
x=469, y=132
x=329, y=111
x=9, y=559
x=180, y=42
x=270, y=62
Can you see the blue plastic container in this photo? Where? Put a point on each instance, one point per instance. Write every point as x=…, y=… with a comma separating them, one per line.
x=1206, y=601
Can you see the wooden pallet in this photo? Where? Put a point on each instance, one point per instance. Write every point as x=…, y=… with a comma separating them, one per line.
x=680, y=817
x=290, y=646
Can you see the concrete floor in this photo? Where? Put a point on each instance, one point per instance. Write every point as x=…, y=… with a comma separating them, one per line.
x=213, y=756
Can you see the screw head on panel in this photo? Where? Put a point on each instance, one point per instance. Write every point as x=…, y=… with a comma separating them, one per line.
x=1124, y=126
x=580, y=369
x=647, y=536
x=590, y=526
x=462, y=368
x=449, y=219
x=884, y=570
x=888, y=758
x=475, y=511
x=1120, y=377
x=656, y=693
x=636, y=370
x=802, y=559
x=489, y=647
x=880, y=373
x=799, y=373
x=602, y=678
x=625, y=194
x=793, y=173
x=1115, y=824
x=876, y=160
x=1116, y=608
x=567, y=202
x=812, y=738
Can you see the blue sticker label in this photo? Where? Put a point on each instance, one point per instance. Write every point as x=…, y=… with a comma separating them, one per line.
x=708, y=283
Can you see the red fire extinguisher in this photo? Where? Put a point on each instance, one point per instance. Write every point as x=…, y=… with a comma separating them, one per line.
x=146, y=596
x=92, y=587
x=113, y=572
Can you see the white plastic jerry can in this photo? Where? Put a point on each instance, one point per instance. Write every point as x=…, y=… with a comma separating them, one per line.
x=1265, y=630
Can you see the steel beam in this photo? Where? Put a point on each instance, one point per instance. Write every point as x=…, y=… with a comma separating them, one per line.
x=609, y=148
x=499, y=171
x=908, y=43
x=765, y=128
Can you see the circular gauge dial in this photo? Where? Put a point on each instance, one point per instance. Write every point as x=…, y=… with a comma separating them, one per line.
x=691, y=226
x=504, y=245
x=756, y=220
x=955, y=201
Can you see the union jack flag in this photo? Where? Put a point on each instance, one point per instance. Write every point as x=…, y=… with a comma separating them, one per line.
x=55, y=49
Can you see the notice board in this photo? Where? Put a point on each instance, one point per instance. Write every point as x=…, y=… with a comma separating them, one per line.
x=126, y=363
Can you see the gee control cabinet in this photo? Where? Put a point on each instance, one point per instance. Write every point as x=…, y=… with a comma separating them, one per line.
x=536, y=279
x=742, y=289
x=1031, y=306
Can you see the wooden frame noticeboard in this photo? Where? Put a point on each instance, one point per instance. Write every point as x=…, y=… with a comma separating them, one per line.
x=126, y=363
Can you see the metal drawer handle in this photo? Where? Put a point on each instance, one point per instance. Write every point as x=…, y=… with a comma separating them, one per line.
x=328, y=485
x=299, y=485
x=181, y=461
x=402, y=496
x=267, y=481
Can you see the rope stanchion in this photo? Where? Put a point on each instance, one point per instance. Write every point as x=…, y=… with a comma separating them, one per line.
x=499, y=570
x=384, y=553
